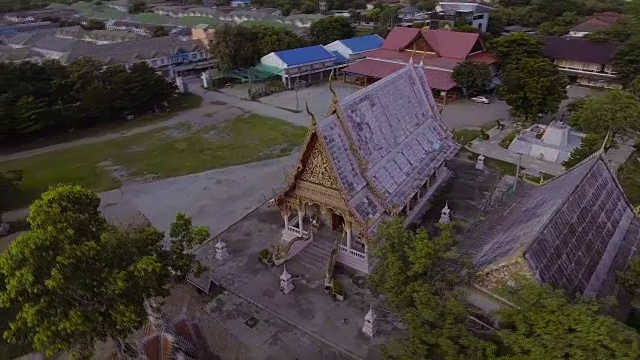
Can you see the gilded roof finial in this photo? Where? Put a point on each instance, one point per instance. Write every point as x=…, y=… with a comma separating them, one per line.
x=334, y=96
x=313, y=118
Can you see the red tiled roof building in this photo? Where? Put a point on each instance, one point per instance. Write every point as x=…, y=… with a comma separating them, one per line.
x=437, y=52
x=173, y=339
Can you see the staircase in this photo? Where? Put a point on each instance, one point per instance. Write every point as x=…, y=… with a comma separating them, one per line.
x=315, y=255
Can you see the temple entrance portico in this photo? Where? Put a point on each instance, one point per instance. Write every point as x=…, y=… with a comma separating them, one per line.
x=324, y=224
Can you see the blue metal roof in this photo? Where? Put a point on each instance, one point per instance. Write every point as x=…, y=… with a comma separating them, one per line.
x=339, y=58
x=304, y=55
x=363, y=43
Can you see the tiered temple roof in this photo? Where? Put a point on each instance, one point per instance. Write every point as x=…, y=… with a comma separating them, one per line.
x=382, y=142
x=575, y=232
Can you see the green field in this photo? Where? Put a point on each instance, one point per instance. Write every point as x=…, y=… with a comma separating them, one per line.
x=196, y=20
x=161, y=153
x=153, y=18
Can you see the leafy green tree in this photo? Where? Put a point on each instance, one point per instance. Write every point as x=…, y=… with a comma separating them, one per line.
x=76, y=280
x=627, y=59
x=9, y=181
x=137, y=7
x=617, y=112
x=94, y=24
x=418, y=275
x=547, y=324
x=629, y=279
x=515, y=47
x=472, y=77
x=634, y=87
x=330, y=29
x=184, y=238
x=560, y=25
x=159, y=31
x=589, y=145
x=532, y=86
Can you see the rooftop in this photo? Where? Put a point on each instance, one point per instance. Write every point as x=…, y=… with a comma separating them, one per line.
x=363, y=43
x=579, y=49
x=304, y=55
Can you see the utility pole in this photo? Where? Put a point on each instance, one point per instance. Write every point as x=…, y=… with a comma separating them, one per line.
x=297, y=101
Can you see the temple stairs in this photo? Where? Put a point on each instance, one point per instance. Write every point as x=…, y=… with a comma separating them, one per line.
x=314, y=256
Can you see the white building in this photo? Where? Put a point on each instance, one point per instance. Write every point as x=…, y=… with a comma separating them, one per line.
x=553, y=143
x=476, y=13
x=356, y=47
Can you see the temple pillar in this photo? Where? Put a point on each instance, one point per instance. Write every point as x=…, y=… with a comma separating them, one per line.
x=348, y=230
x=285, y=215
x=300, y=213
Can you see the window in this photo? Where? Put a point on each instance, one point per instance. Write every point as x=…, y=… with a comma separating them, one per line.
x=154, y=63
x=478, y=17
x=194, y=56
x=202, y=56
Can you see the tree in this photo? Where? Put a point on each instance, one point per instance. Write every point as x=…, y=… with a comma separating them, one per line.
x=634, y=87
x=9, y=181
x=617, y=112
x=589, y=145
x=559, y=26
x=629, y=279
x=472, y=77
x=547, y=324
x=94, y=24
x=76, y=280
x=330, y=29
x=627, y=60
x=184, y=238
x=159, y=31
x=137, y=7
x=533, y=86
x=419, y=275
x=515, y=47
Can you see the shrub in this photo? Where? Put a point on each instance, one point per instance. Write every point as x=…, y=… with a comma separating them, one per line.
x=337, y=288
x=263, y=254
x=508, y=139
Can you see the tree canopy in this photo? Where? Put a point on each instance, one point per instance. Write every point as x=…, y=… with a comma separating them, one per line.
x=50, y=97
x=512, y=48
x=471, y=76
x=418, y=275
x=9, y=181
x=629, y=279
x=617, y=112
x=76, y=280
x=238, y=46
x=588, y=146
x=330, y=29
x=627, y=59
x=548, y=324
x=532, y=86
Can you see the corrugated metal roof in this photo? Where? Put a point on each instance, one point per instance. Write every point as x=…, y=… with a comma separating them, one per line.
x=399, y=38
x=363, y=43
x=339, y=58
x=437, y=79
x=304, y=55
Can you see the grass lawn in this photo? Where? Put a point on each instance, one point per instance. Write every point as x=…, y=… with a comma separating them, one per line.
x=163, y=153
x=180, y=103
x=629, y=176
x=465, y=136
x=153, y=18
x=196, y=20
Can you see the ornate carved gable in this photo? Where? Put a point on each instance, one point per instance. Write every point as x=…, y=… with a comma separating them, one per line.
x=318, y=169
x=420, y=44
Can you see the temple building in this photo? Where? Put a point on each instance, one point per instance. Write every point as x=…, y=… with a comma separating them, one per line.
x=576, y=232
x=436, y=51
x=379, y=152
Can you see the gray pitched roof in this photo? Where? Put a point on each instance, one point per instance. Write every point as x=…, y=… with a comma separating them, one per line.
x=17, y=54
x=569, y=230
x=126, y=51
x=53, y=43
x=389, y=139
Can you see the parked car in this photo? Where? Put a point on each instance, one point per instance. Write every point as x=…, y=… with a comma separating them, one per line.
x=481, y=100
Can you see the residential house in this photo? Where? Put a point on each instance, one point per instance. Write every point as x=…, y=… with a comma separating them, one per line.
x=121, y=5
x=437, y=52
x=171, y=11
x=454, y=13
x=13, y=29
x=574, y=232
x=203, y=33
x=38, y=15
x=409, y=15
x=595, y=22
x=372, y=4
x=181, y=33
x=99, y=37
x=308, y=64
x=27, y=39
x=302, y=20
x=356, y=47
x=240, y=3
x=54, y=47
x=203, y=12
x=129, y=26
x=583, y=61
